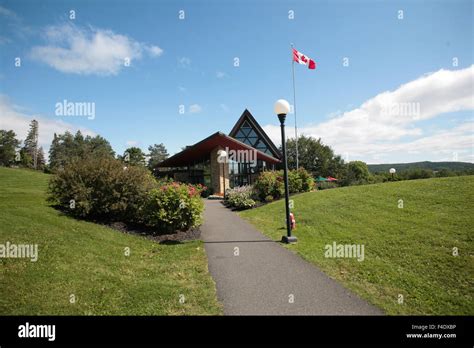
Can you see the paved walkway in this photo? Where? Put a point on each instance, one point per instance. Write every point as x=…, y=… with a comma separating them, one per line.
x=265, y=277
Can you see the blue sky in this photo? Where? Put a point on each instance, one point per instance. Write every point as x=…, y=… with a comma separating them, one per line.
x=424, y=58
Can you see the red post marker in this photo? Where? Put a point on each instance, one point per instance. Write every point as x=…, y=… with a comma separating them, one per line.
x=293, y=221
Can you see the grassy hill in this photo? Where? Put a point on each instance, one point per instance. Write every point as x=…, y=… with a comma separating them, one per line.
x=88, y=261
x=436, y=166
x=408, y=251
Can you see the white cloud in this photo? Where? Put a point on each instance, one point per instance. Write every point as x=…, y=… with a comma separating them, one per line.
x=8, y=13
x=14, y=25
x=386, y=127
x=16, y=118
x=195, y=108
x=221, y=75
x=184, y=62
x=154, y=51
x=132, y=143
x=72, y=49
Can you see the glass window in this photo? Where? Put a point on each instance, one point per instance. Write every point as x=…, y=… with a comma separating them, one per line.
x=253, y=140
x=248, y=135
x=252, y=134
x=247, y=141
x=246, y=125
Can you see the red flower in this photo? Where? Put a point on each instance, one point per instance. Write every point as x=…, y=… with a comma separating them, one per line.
x=191, y=191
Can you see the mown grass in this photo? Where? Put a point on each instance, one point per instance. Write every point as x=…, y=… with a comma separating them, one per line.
x=408, y=251
x=88, y=261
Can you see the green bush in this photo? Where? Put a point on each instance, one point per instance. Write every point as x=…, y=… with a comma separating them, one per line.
x=240, y=197
x=100, y=188
x=306, y=179
x=206, y=191
x=269, y=183
x=105, y=189
x=295, y=183
x=269, y=199
x=172, y=207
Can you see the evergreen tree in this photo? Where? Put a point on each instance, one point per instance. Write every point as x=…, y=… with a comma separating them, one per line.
x=61, y=150
x=66, y=147
x=30, y=146
x=41, y=161
x=157, y=153
x=8, y=148
x=133, y=156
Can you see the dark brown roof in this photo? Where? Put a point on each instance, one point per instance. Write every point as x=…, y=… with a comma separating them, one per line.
x=201, y=150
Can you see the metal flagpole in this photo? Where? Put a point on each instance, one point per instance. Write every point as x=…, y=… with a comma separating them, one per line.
x=294, y=106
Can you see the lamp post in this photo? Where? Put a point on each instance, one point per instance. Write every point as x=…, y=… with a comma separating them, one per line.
x=282, y=108
x=222, y=158
x=392, y=171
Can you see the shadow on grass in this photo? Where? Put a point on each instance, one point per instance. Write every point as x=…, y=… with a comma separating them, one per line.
x=163, y=238
x=241, y=241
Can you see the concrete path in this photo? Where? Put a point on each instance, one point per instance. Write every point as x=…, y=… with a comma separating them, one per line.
x=265, y=277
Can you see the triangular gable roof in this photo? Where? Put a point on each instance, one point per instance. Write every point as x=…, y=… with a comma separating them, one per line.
x=248, y=118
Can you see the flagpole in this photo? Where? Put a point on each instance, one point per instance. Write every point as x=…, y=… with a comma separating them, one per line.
x=294, y=105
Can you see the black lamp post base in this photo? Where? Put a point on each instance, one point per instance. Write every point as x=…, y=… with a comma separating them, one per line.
x=289, y=240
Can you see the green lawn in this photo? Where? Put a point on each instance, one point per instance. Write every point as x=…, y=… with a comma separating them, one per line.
x=408, y=251
x=88, y=261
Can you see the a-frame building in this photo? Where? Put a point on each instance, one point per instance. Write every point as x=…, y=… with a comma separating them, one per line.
x=248, y=131
x=249, y=151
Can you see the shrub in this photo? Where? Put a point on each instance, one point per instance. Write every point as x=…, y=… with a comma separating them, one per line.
x=269, y=199
x=295, y=183
x=100, y=188
x=419, y=173
x=306, y=179
x=206, y=191
x=272, y=183
x=172, y=207
x=269, y=183
x=240, y=197
x=357, y=174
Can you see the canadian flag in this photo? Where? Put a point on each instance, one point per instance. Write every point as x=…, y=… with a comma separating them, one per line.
x=299, y=57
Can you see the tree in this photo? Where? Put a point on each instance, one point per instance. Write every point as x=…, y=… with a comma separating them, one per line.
x=80, y=144
x=8, y=148
x=30, y=147
x=357, y=173
x=66, y=147
x=25, y=159
x=314, y=156
x=157, y=153
x=133, y=156
x=41, y=162
x=61, y=150
x=98, y=146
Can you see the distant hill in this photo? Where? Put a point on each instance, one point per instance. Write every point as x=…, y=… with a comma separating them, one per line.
x=454, y=166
